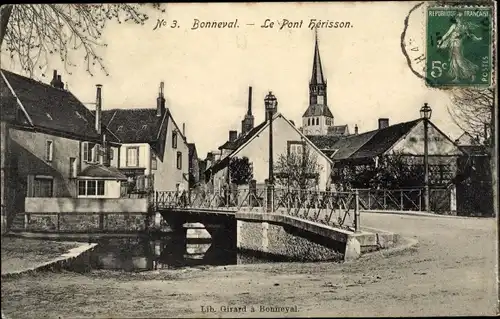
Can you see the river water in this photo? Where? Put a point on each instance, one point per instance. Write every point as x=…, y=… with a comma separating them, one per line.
x=165, y=251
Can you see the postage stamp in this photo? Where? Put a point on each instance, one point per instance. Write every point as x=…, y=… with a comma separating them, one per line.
x=459, y=46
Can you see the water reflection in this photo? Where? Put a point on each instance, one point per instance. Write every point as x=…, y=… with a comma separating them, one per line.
x=167, y=251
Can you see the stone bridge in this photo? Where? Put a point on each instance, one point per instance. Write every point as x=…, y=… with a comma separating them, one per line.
x=289, y=224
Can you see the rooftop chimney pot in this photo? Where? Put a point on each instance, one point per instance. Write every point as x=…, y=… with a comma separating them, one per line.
x=233, y=135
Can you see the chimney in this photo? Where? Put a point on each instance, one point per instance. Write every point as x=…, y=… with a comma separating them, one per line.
x=248, y=121
x=60, y=83
x=184, y=129
x=53, y=82
x=356, y=129
x=249, y=111
x=383, y=123
x=98, y=106
x=160, y=101
x=233, y=135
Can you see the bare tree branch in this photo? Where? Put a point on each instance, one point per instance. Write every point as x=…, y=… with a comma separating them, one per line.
x=471, y=111
x=31, y=34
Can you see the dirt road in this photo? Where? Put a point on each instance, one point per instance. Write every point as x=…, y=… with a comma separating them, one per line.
x=450, y=272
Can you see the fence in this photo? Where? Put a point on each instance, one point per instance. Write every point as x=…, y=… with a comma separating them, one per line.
x=440, y=199
x=338, y=209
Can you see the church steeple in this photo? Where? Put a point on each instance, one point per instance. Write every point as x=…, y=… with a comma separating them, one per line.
x=318, y=117
x=317, y=70
x=317, y=85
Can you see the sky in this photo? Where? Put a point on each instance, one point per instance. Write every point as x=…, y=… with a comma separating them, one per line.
x=207, y=72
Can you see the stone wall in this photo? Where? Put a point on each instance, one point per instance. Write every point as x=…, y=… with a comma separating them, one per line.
x=278, y=236
x=83, y=222
x=280, y=241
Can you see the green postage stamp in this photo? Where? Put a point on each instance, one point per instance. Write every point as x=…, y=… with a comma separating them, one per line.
x=459, y=46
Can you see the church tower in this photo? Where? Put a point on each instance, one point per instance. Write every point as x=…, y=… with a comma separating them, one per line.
x=318, y=117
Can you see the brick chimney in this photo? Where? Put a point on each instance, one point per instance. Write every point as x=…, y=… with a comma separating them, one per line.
x=98, y=108
x=233, y=135
x=60, y=83
x=356, y=129
x=383, y=123
x=248, y=122
x=184, y=129
x=53, y=82
x=160, y=101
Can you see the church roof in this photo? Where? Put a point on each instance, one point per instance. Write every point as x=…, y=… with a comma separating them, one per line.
x=317, y=69
x=318, y=110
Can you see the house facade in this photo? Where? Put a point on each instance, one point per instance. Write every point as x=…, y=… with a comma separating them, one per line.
x=405, y=140
x=154, y=153
x=52, y=145
x=255, y=146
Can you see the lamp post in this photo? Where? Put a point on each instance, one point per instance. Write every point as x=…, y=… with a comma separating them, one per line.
x=271, y=104
x=425, y=114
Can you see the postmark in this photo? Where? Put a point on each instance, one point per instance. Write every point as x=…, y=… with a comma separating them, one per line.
x=459, y=46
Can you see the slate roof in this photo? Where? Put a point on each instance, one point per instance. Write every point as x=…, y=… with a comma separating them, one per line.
x=366, y=145
x=324, y=142
x=102, y=172
x=318, y=110
x=383, y=139
x=347, y=146
x=135, y=125
x=50, y=108
x=338, y=130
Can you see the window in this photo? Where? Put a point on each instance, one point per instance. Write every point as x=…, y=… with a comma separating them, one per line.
x=49, y=150
x=308, y=122
x=111, y=153
x=89, y=152
x=43, y=187
x=72, y=167
x=295, y=147
x=317, y=121
x=90, y=188
x=328, y=121
x=179, y=160
x=132, y=156
x=174, y=139
x=154, y=163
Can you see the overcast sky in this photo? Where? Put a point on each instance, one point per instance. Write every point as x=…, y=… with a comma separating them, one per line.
x=207, y=71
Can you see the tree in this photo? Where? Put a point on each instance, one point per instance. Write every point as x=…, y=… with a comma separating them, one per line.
x=31, y=33
x=297, y=169
x=472, y=111
x=240, y=170
x=392, y=172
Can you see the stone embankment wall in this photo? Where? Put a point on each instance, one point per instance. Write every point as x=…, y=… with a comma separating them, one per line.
x=82, y=222
x=287, y=237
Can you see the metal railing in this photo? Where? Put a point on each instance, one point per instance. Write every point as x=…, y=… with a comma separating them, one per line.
x=391, y=199
x=336, y=209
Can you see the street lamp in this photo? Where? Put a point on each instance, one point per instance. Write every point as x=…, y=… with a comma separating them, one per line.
x=425, y=113
x=271, y=104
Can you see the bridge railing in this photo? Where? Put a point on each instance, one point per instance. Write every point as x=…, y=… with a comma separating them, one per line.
x=337, y=209
x=391, y=199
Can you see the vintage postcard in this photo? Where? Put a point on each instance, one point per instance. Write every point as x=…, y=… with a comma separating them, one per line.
x=209, y=160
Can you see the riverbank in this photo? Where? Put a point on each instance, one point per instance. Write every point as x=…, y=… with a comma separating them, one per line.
x=20, y=254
